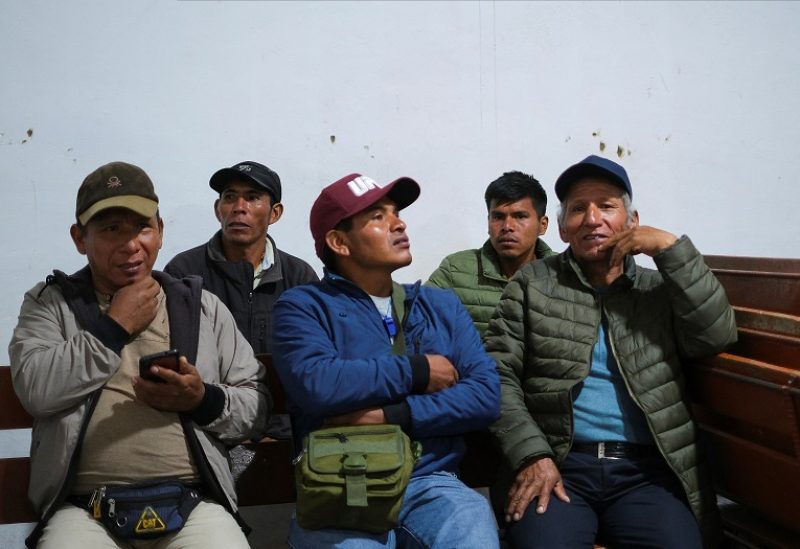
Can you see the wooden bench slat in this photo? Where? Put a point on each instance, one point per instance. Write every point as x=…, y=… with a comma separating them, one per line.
x=760, y=283
x=14, y=415
x=767, y=321
x=761, y=480
x=748, y=399
x=14, y=504
x=773, y=348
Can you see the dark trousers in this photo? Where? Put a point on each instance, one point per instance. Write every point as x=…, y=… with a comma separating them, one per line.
x=628, y=503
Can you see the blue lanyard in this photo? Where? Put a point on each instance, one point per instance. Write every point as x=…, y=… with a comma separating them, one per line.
x=391, y=328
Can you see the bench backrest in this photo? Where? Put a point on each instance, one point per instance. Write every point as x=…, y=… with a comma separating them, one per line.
x=747, y=400
x=14, y=472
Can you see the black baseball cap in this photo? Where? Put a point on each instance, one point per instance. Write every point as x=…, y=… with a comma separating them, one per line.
x=251, y=171
x=590, y=166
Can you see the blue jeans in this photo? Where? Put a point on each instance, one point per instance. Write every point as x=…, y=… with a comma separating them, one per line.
x=630, y=503
x=439, y=512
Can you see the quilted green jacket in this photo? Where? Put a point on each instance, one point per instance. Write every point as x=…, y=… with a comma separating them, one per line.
x=542, y=337
x=476, y=278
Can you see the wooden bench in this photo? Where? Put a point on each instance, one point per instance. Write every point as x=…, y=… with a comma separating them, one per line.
x=747, y=402
x=14, y=472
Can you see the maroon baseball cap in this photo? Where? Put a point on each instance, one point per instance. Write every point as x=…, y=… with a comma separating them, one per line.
x=351, y=194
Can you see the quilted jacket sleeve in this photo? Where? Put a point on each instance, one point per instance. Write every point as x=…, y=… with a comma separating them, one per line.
x=519, y=435
x=704, y=323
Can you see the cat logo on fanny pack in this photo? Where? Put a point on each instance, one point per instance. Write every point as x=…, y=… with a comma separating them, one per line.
x=149, y=522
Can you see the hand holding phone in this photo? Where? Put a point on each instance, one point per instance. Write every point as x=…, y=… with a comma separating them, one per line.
x=166, y=359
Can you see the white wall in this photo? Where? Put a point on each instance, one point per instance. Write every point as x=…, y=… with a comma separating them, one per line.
x=702, y=97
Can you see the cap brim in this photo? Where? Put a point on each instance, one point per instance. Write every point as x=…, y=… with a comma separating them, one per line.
x=404, y=191
x=221, y=177
x=139, y=204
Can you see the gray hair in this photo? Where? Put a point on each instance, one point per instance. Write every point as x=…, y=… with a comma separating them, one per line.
x=626, y=201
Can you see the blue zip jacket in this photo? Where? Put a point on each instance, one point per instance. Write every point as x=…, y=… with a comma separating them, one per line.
x=333, y=355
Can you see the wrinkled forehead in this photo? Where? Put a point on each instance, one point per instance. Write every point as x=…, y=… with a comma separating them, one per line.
x=594, y=186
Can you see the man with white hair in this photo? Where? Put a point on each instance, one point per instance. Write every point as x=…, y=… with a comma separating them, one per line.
x=595, y=423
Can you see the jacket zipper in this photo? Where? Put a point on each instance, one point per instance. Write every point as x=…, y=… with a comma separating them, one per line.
x=633, y=398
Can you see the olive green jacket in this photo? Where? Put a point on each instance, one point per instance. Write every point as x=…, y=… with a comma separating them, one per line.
x=476, y=278
x=542, y=337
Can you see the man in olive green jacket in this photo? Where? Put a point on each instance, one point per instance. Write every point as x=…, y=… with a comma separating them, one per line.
x=516, y=203
x=589, y=347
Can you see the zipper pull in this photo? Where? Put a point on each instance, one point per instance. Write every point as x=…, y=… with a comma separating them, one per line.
x=95, y=500
x=299, y=456
x=112, y=504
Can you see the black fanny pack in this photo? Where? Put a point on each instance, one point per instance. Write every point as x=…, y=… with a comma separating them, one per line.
x=141, y=511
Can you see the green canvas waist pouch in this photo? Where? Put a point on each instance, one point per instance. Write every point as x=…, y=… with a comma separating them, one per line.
x=354, y=477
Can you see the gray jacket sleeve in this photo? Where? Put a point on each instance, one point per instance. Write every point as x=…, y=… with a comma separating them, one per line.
x=55, y=364
x=225, y=359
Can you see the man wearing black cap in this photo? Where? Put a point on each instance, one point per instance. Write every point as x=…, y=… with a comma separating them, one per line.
x=359, y=349
x=595, y=422
x=241, y=264
x=124, y=451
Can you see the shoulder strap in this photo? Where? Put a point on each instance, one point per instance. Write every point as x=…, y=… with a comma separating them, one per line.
x=183, y=310
x=399, y=310
x=80, y=297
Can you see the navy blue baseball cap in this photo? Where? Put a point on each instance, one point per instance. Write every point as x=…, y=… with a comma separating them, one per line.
x=593, y=166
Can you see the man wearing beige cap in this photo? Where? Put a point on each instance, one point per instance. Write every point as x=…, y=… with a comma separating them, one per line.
x=115, y=457
x=359, y=349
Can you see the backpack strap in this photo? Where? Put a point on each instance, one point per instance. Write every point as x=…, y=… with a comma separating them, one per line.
x=399, y=312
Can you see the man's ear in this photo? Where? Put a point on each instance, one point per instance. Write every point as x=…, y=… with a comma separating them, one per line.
x=216, y=210
x=276, y=211
x=634, y=222
x=337, y=242
x=543, y=223
x=160, y=232
x=563, y=234
x=77, y=237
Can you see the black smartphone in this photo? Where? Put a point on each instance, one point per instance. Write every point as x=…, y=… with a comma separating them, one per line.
x=165, y=359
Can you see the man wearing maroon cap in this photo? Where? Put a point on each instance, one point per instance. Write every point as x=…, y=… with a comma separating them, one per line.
x=358, y=349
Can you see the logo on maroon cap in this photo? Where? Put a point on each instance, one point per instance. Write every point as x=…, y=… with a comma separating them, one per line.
x=362, y=185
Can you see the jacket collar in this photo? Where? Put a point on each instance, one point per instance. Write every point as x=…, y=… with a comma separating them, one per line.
x=183, y=305
x=217, y=255
x=345, y=285
x=489, y=262
x=626, y=280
